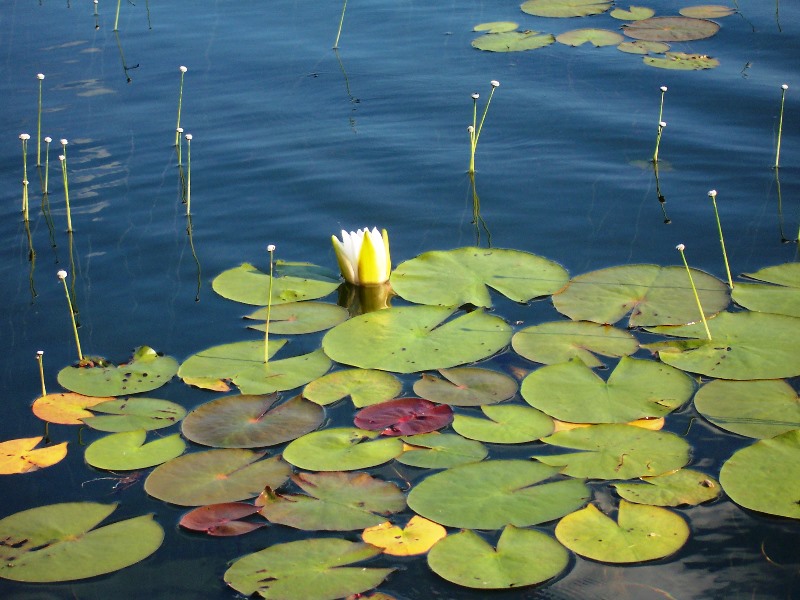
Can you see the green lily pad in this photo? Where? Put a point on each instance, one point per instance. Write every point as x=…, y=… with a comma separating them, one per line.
x=766, y=475
x=643, y=47
x=251, y=421
x=466, y=386
x=744, y=345
x=559, y=341
x=299, y=317
x=757, y=409
x=595, y=37
x=312, y=569
x=463, y=276
x=782, y=298
x=440, y=451
x=416, y=338
x=243, y=363
x=496, y=493
x=126, y=451
x=653, y=295
x=334, y=501
x=671, y=29
x=680, y=61
x=146, y=371
x=522, y=557
x=636, y=389
x=291, y=282
x=641, y=533
x=787, y=274
x=60, y=543
x=364, y=386
x=215, y=476
x=565, y=8
x=341, y=449
x=616, y=452
x=684, y=486
x=135, y=413
x=496, y=27
x=513, y=41
x=707, y=11
x=505, y=424
x=634, y=13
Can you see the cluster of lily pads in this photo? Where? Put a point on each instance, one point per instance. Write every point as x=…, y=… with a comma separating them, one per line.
x=649, y=34
x=269, y=455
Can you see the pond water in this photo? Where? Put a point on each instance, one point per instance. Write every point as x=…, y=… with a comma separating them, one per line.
x=293, y=141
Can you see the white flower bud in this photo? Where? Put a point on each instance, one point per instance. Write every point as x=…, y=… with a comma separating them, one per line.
x=62, y=275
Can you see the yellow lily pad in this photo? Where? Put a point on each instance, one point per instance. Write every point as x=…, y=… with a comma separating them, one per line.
x=19, y=456
x=417, y=537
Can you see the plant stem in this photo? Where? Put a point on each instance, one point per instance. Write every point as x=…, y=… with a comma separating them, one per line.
x=24, y=178
x=341, y=22
x=39, y=124
x=188, y=173
x=784, y=87
x=71, y=314
x=680, y=248
x=116, y=19
x=271, y=250
x=40, y=360
x=63, y=160
x=713, y=197
x=180, y=103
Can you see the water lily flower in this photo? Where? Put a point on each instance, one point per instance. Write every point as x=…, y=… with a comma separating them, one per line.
x=363, y=256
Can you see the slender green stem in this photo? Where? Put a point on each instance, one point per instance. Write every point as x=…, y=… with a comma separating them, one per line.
x=188, y=173
x=62, y=275
x=784, y=87
x=40, y=77
x=341, y=22
x=40, y=360
x=24, y=137
x=472, y=129
x=483, y=117
x=661, y=106
x=63, y=160
x=661, y=126
x=180, y=103
x=271, y=250
x=713, y=195
x=680, y=248
x=179, y=143
x=116, y=19
x=47, y=141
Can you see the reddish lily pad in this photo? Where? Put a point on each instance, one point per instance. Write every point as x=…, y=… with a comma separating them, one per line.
x=404, y=416
x=222, y=520
x=466, y=386
x=671, y=29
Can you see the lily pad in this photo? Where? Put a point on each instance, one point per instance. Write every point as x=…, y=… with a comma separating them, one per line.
x=416, y=338
x=440, y=451
x=496, y=493
x=766, y=475
x=464, y=276
x=616, y=452
x=634, y=13
x=60, y=542
x=681, y=487
x=636, y=389
x=652, y=295
x=251, y=421
x=21, y=455
x=671, y=29
x=312, y=569
x=680, y=61
x=126, y=451
x=417, y=537
x=341, y=449
x=146, y=371
x=707, y=11
x=522, y=557
x=513, y=41
x=292, y=282
x=643, y=47
x=215, y=476
x=222, y=520
x=782, y=298
x=744, y=345
x=66, y=408
x=595, y=37
x=565, y=8
x=641, y=533
x=299, y=317
x=131, y=414
x=505, y=424
x=404, y=416
x=559, y=341
x=334, y=501
x=466, y=386
x=757, y=409
x=496, y=27
x=364, y=386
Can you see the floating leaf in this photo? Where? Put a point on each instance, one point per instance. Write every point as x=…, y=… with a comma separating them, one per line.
x=559, y=341
x=364, y=386
x=335, y=501
x=744, y=345
x=782, y=298
x=565, y=8
x=616, y=452
x=636, y=389
x=299, y=317
x=19, y=456
x=417, y=537
x=222, y=520
x=146, y=371
x=131, y=414
x=310, y=569
x=65, y=408
x=641, y=533
x=440, y=451
x=683, y=486
x=680, y=61
x=404, y=416
x=126, y=451
x=496, y=27
x=463, y=276
x=416, y=338
x=292, y=282
x=251, y=421
x=643, y=47
x=466, y=386
x=757, y=409
x=766, y=475
x=505, y=424
x=341, y=449
x=60, y=543
x=709, y=11
x=653, y=295
x=522, y=557
x=595, y=37
x=671, y=29
x=215, y=476
x=496, y=493
x=513, y=41
x=634, y=13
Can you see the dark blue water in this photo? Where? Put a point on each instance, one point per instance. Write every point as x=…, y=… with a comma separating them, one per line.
x=293, y=142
